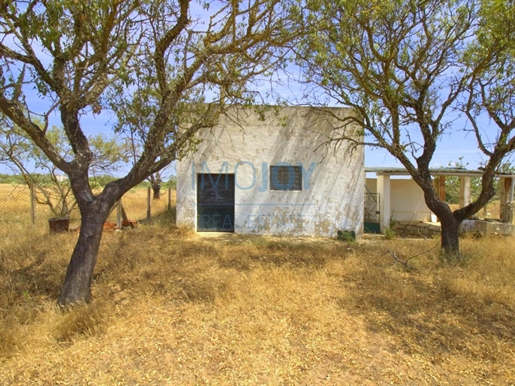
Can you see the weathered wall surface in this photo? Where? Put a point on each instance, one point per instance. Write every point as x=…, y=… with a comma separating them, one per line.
x=332, y=194
x=406, y=200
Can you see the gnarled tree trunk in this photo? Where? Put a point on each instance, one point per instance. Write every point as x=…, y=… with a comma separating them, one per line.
x=450, y=241
x=450, y=224
x=77, y=283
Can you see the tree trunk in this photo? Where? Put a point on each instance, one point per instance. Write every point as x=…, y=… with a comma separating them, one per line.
x=450, y=240
x=156, y=187
x=449, y=233
x=77, y=283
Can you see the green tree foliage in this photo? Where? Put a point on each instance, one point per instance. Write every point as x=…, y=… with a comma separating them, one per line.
x=452, y=183
x=178, y=63
x=404, y=67
x=491, y=89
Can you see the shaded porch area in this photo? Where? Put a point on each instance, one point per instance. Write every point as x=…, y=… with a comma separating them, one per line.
x=399, y=200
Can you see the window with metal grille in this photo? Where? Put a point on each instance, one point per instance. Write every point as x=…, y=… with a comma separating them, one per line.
x=285, y=177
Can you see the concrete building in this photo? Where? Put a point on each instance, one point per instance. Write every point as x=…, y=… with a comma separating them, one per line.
x=273, y=172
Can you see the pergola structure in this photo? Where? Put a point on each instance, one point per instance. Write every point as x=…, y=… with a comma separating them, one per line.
x=439, y=174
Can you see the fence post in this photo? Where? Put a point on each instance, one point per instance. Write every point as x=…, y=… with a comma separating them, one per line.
x=33, y=203
x=149, y=214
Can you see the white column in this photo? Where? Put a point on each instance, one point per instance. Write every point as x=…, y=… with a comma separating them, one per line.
x=464, y=191
x=383, y=188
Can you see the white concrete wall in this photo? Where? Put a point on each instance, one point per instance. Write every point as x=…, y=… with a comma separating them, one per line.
x=406, y=200
x=333, y=179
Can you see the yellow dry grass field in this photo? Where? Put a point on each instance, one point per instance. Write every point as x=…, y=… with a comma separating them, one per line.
x=15, y=207
x=174, y=308
x=15, y=204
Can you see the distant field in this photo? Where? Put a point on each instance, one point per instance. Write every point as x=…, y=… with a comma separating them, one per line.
x=173, y=308
x=135, y=203
x=15, y=207
x=15, y=203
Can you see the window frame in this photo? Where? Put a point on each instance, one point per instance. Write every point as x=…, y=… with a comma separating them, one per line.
x=277, y=179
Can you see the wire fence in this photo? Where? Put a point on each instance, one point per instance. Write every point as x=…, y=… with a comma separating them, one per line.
x=18, y=205
x=15, y=204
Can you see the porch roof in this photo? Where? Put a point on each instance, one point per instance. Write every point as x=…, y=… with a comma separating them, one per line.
x=400, y=171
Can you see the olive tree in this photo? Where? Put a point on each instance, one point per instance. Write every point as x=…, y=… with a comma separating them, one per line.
x=66, y=59
x=404, y=67
x=489, y=99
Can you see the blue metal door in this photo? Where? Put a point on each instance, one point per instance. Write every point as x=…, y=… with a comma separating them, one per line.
x=215, y=202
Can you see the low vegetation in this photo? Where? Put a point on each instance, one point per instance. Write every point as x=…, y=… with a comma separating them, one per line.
x=171, y=307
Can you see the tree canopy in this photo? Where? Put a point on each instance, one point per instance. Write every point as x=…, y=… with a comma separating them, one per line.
x=176, y=63
x=407, y=67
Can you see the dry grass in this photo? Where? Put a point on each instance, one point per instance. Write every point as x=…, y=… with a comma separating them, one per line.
x=135, y=204
x=14, y=204
x=15, y=207
x=173, y=308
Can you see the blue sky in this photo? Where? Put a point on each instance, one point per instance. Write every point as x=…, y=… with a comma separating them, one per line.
x=453, y=145
x=450, y=148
